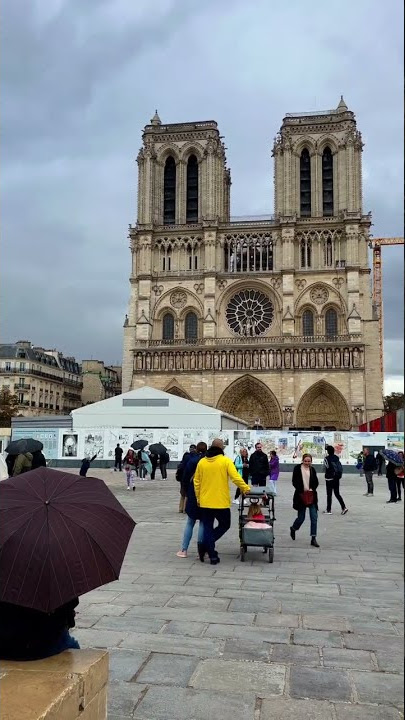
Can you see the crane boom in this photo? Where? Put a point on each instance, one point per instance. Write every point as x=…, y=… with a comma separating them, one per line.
x=376, y=245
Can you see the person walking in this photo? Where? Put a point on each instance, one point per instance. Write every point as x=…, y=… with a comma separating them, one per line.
x=86, y=462
x=274, y=469
x=259, y=466
x=179, y=475
x=38, y=460
x=129, y=467
x=241, y=463
x=191, y=507
x=369, y=467
x=380, y=463
x=118, y=453
x=22, y=464
x=164, y=460
x=399, y=472
x=391, y=476
x=305, y=482
x=333, y=474
x=211, y=484
x=154, y=459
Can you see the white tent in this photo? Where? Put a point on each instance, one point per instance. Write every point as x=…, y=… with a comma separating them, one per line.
x=150, y=408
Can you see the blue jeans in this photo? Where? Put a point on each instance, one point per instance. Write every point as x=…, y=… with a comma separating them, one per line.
x=188, y=533
x=313, y=514
x=66, y=642
x=211, y=534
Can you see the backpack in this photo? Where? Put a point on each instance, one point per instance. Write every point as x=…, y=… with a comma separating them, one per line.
x=336, y=466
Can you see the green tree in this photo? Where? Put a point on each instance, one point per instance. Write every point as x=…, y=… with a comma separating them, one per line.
x=394, y=401
x=8, y=407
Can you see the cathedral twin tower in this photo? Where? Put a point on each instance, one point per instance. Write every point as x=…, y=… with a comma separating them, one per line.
x=268, y=320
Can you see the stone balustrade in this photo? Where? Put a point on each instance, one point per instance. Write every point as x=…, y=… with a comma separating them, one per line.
x=248, y=359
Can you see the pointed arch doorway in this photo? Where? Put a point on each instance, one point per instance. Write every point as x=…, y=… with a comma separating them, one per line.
x=250, y=399
x=323, y=407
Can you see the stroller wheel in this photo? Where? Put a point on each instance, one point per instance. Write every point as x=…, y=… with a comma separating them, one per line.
x=271, y=555
x=242, y=553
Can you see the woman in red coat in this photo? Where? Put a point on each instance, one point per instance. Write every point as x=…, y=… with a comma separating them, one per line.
x=305, y=482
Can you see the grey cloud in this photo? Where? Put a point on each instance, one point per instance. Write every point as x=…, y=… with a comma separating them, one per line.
x=81, y=79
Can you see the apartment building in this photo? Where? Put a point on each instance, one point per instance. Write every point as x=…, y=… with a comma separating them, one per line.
x=100, y=381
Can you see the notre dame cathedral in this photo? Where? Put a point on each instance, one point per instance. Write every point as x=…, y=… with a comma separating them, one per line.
x=270, y=320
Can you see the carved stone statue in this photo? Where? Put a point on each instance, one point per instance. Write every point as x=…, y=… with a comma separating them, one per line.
x=346, y=358
x=239, y=360
x=321, y=358
x=287, y=359
x=208, y=360
x=231, y=359
x=178, y=361
x=329, y=358
x=216, y=360
x=296, y=358
x=255, y=359
x=192, y=360
x=224, y=359
x=337, y=358
x=356, y=358
x=271, y=359
x=148, y=362
x=288, y=416
x=163, y=361
x=139, y=361
x=263, y=359
x=170, y=361
x=247, y=359
x=155, y=361
x=279, y=359
x=200, y=361
x=304, y=359
x=186, y=361
x=312, y=358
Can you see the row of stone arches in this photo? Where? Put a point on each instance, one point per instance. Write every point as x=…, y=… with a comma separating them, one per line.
x=321, y=406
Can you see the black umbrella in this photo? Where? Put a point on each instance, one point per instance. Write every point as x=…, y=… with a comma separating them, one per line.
x=15, y=447
x=61, y=535
x=157, y=449
x=139, y=444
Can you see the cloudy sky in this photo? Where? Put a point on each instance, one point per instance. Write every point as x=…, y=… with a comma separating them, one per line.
x=80, y=79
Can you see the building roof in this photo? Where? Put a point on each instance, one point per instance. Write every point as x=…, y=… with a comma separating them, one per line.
x=148, y=407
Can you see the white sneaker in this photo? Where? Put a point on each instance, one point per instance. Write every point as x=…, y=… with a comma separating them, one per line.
x=235, y=502
x=128, y=488
x=325, y=512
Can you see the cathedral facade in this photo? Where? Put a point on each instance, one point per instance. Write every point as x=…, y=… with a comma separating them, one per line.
x=270, y=320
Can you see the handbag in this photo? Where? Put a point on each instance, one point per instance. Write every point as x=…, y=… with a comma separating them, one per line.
x=307, y=497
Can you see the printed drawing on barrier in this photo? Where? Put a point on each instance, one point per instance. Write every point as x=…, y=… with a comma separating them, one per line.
x=170, y=439
x=117, y=436
x=94, y=443
x=194, y=436
x=69, y=445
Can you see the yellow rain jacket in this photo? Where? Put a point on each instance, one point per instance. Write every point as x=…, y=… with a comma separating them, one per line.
x=211, y=480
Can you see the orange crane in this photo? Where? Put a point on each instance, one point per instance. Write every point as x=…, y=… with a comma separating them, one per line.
x=376, y=245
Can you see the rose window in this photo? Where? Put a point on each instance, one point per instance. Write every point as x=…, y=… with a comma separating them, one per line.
x=249, y=313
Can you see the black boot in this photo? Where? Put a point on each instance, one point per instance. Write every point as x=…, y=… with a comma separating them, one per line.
x=292, y=533
x=201, y=551
x=314, y=542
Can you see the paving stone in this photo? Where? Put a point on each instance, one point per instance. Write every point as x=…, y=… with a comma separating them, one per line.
x=217, y=582
x=288, y=709
x=296, y=655
x=122, y=698
x=86, y=621
x=190, y=601
x=313, y=588
x=176, y=644
x=326, y=622
x=320, y=638
x=238, y=594
x=162, y=669
x=277, y=620
x=130, y=624
x=188, y=629
x=372, y=627
x=93, y=638
x=198, y=590
x=239, y=676
x=101, y=609
x=247, y=650
x=356, y=659
x=186, y=614
x=269, y=605
x=390, y=660
x=373, y=642
x=188, y=704
x=319, y=684
x=383, y=688
x=366, y=712
x=124, y=664
x=276, y=635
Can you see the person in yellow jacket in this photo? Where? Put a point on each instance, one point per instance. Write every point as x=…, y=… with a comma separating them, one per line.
x=211, y=486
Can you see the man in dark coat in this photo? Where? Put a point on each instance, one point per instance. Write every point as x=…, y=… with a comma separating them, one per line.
x=333, y=473
x=369, y=467
x=86, y=462
x=259, y=466
x=118, y=453
x=38, y=459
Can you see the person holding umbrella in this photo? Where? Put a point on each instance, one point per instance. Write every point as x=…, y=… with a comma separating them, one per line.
x=159, y=452
x=59, y=539
x=21, y=454
x=395, y=463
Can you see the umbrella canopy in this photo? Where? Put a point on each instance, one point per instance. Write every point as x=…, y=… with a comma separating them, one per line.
x=60, y=536
x=157, y=449
x=139, y=444
x=393, y=457
x=15, y=447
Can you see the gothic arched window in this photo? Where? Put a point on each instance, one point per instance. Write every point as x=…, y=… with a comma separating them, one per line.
x=331, y=323
x=305, y=183
x=306, y=252
x=327, y=182
x=168, y=327
x=191, y=326
x=308, y=323
x=192, y=190
x=169, y=192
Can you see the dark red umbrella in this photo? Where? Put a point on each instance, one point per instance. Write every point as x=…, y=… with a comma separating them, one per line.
x=61, y=535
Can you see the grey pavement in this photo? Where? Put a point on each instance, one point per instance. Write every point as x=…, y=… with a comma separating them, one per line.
x=316, y=634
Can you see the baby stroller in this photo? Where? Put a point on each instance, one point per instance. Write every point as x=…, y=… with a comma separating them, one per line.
x=257, y=536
